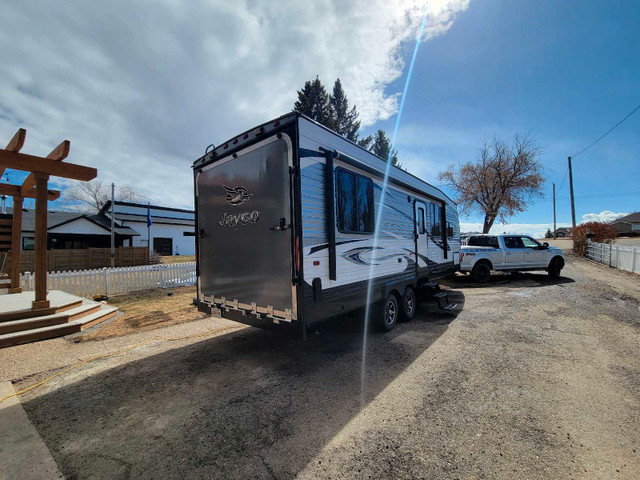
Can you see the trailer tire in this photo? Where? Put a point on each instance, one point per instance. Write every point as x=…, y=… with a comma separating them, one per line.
x=388, y=313
x=408, y=304
x=481, y=273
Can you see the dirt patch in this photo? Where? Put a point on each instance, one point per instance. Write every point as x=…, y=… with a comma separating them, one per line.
x=170, y=259
x=148, y=310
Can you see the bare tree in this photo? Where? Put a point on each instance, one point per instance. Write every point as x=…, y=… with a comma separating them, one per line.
x=501, y=182
x=91, y=196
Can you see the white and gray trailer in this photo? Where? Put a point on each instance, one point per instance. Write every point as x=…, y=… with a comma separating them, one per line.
x=285, y=220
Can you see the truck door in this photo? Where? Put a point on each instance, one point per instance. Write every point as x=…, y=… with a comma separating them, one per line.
x=514, y=252
x=420, y=213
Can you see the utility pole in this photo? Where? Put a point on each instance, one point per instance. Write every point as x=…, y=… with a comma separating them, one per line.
x=573, y=204
x=554, y=211
x=113, y=242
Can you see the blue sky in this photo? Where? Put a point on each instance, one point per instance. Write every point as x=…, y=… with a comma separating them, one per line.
x=566, y=71
x=141, y=95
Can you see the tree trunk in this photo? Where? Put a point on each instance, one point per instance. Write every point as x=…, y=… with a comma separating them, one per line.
x=488, y=223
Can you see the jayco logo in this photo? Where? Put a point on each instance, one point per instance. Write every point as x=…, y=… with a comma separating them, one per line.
x=236, y=195
x=233, y=220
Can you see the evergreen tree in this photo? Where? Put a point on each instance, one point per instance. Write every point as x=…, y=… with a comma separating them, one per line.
x=382, y=148
x=366, y=142
x=313, y=101
x=344, y=121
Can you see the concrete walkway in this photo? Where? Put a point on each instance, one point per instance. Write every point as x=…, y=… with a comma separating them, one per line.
x=23, y=454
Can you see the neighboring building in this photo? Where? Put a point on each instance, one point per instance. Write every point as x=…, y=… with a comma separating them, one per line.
x=66, y=230
x=629, y=225
x=172, y=229
x=563, y=232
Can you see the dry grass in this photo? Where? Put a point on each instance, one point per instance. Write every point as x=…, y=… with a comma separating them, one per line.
x=169, y=259
x=148, y=310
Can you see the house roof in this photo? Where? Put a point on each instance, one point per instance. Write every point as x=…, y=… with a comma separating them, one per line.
x=107, y=206
x=631, y=218
x=58, y=218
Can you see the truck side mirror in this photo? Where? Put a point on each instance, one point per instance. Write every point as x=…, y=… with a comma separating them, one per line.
x=545, y=244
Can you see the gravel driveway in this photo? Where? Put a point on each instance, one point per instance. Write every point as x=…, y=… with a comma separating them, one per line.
x=532, y=378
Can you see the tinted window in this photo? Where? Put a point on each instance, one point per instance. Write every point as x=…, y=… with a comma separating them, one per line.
x=513, y=242
x=355, y=202
x=421, y=227
x=483, y=242
x=436, y=219
x=530, y=242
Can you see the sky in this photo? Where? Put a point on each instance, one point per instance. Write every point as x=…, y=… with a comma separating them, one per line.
x=141, y=89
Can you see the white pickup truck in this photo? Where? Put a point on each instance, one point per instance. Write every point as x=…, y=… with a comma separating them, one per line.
x=480, y=254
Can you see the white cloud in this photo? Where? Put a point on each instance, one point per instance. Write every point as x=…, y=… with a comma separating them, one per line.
x=141, y=91
x=536, y=230
x=605, y=216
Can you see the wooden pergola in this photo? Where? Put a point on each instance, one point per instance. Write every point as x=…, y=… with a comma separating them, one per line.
x=35, y=186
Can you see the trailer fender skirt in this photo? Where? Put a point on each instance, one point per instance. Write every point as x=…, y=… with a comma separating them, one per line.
x=317, y=289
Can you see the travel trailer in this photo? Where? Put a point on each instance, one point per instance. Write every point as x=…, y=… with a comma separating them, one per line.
x=285, y=220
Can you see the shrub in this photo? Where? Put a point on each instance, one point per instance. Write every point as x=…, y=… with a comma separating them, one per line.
x=602, y=233
x=155, y=258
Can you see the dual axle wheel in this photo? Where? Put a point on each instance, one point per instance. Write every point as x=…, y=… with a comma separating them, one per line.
x=391, y=310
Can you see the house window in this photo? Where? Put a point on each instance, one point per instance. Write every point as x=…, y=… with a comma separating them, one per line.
x=355, y=203
x=449, y=230
x=28, y=243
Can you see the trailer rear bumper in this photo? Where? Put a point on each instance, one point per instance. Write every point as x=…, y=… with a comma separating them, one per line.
x=242, y=312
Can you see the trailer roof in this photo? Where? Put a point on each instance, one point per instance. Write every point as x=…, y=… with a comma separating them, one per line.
x=375, y=162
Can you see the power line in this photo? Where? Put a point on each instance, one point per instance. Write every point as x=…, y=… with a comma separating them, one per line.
x=563, y=178
x=607, y=133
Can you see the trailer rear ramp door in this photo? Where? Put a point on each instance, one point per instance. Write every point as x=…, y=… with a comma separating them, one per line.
x=245, y=229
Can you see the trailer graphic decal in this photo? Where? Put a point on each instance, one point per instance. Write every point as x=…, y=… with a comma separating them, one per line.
x=236, y=195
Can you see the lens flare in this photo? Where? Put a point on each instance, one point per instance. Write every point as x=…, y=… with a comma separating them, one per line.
x=383, y=194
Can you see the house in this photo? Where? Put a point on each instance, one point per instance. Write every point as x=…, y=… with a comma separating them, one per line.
x=563, y=232
x=172, y=229
x=629, y=225
x=73, y=230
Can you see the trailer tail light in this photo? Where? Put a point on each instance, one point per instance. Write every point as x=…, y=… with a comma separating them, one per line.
x=461, y=256
x=297, y=253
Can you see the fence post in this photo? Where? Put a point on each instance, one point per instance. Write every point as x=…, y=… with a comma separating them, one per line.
x=27, y=276
x=633, y=260
x=105, y=281
x=610, y=248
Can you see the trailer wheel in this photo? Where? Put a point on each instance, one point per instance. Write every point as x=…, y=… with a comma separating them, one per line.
x=408, y=305
x=388, y=313
x=481, y=273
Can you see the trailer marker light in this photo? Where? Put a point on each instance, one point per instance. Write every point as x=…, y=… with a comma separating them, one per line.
x=316, y=263
x=276, y=123
x=226, y=145
x=258, y=131
x=235, y=140
x=245, y=136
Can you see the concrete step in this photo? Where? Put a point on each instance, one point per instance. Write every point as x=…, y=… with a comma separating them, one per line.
x=48, y=320
x=82, y=323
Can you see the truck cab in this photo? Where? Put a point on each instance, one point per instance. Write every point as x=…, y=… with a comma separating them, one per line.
x=480, y=254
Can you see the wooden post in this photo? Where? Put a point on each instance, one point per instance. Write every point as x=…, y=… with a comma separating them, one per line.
x=16, y=231
x=41, y=301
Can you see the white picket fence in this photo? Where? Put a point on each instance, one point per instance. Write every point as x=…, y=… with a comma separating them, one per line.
x=114, y=281
x=623, y=257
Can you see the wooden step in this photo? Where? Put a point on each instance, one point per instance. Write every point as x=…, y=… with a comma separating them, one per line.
x=29, y=313
x=53, y=331
x=49, y=320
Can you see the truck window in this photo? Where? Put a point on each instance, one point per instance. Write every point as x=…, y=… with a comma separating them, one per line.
x=355, y=203
x=513, y=242
x=530, y=242
x=483, y=242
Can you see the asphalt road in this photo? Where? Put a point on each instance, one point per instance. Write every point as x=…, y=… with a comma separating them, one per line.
x=531, y=378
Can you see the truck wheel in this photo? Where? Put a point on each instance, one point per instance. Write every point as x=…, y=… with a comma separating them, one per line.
x=555, y=267
x=408, y=305
x=481, y=273
x=388, y=313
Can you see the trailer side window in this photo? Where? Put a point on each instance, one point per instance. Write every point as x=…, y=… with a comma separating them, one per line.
x=355, y=203
x=421, y=229
x=436, y=219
